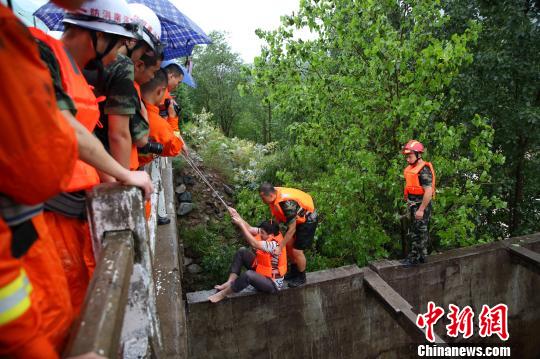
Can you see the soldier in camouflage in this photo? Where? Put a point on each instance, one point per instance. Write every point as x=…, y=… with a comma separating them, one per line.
x=122, y=123
x=419, y=190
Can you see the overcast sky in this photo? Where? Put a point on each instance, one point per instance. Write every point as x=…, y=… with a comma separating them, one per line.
x=239, y=18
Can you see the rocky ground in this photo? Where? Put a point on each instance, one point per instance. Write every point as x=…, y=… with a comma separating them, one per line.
x=198, y=206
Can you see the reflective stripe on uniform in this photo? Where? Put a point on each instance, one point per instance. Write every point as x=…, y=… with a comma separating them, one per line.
x=14, y=298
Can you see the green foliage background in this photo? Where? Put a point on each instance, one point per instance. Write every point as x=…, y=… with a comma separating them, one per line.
x=461, y=76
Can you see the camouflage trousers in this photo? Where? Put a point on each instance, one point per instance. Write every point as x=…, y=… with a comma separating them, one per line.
x=419, y=233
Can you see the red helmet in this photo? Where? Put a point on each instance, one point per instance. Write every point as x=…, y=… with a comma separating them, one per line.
x=413, y=146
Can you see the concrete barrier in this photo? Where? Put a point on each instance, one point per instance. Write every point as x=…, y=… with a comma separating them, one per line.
x=125, y=314
x=98, y=330
x=371, y=312
x=333, y=316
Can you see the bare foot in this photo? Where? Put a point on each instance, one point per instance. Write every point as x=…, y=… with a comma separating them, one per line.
x=223, y=286
x=214, y=298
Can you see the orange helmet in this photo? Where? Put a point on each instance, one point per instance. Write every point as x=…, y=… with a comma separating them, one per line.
x=413, y=146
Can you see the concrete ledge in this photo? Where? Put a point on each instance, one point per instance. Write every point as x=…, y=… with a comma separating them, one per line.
x=313, y=279
x=524, y=256
x=389, y=296
x=167, y=272
x=398, y=305
x=333, y=316
x=99, y=328
x=113, y=207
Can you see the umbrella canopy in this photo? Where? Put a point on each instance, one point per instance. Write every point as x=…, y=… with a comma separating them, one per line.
x=188, y=79
x=178, y=32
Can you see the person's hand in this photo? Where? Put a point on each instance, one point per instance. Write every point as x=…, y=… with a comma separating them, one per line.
x=142, y=180
x=419, y=214
x=233, y=212
x=277, y=250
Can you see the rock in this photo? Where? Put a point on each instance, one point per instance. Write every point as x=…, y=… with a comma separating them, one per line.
x=190, y=253
x=228, y=190
x=184, y=208
x=180, y=189
x=194, y=268
x=185, y=197
x=187, y=261
x=188, y=180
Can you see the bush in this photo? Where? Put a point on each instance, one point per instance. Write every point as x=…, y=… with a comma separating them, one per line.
x=241, y=162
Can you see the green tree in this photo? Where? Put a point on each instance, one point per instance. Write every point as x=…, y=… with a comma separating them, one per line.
x=377, y=74
x=217, y=72
x=503, y=84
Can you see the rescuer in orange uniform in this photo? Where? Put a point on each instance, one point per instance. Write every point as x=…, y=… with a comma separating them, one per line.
x=295, y=209
x=160, y=131
x=419, y=190
x=264, y=269
x=39, y=151
x=87, y=39
x=30, y=120
x=175, y=75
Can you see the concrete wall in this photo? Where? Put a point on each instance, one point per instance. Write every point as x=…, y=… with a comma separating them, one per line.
x=486, y=274
x=334, y=316
x=366, y=313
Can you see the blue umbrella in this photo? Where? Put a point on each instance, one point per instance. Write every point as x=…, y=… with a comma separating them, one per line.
x=188, y=79
x=178, y=32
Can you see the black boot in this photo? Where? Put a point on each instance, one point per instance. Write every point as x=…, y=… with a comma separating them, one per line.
x=298, y=281
x=163, y=220
x=292, y=272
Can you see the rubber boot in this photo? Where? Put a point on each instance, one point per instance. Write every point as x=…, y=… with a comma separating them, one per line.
x=298, y=281
x=292, y=272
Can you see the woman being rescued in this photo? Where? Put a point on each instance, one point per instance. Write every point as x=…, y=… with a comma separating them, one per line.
x=265, y=268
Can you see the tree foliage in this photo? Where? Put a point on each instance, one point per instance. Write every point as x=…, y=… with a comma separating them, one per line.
x=377, y=74
x=218, y=73
x=503, y=84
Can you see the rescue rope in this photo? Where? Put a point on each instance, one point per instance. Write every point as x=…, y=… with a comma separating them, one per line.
x=205, y=180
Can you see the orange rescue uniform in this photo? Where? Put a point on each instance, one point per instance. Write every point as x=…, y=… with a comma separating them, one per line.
x=33, y=133
x=173, y=121
x=283, y=194
x=134, y=157
x=263, y=260
x=71, y=235
x=412, y=181
x=162, y=132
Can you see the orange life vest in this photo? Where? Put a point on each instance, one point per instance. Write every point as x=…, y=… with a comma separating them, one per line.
x=134, y=156
x=285, y=194
x=412, y=181
x=162, y=132
x=84, y=176
x=263, y=260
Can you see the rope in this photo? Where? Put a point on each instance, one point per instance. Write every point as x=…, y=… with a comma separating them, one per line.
x=205, y=180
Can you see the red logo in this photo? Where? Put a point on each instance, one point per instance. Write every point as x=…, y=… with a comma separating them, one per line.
x=490, y=321
x=460, y=321
x=494, y=321
x=429, y=319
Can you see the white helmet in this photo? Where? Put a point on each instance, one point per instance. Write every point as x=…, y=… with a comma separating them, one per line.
x=151, y=33
x=109, y=16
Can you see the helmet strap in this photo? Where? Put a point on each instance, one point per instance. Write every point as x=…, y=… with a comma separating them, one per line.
x=97, y=62
x=9, y=4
